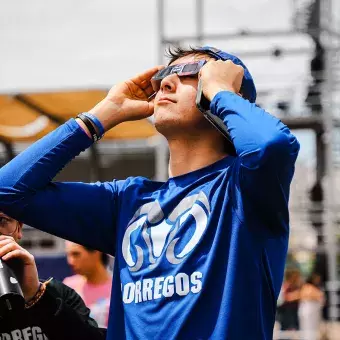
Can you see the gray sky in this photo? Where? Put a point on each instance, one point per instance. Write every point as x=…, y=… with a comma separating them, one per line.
x=56, y=44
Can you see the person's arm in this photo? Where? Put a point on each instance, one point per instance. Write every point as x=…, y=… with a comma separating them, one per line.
x=267, y=152
x=83, y=213
x=265, y=147
x=260, y=139
x=310, y=292
x=62, y=314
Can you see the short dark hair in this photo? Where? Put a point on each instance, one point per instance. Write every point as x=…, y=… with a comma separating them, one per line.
x=104, y=257
x=176, y=52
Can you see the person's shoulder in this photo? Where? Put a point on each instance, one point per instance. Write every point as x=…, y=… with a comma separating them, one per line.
x=59, y=285
x=120, y=185
x=108, y=284
x=57, y=288
x=73, y=279
x=139, y=182
x=310, y=287
x=61, y=290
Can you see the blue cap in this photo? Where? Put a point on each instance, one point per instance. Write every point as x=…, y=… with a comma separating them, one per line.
x=248, y=87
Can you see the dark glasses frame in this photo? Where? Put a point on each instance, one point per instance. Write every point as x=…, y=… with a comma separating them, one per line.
x=182, y=70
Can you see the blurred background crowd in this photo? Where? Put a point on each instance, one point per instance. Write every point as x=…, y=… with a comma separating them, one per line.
x=60, y=58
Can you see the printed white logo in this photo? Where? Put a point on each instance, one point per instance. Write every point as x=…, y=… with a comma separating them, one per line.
x=32, y=333
x=159, y=233
x=13, y=280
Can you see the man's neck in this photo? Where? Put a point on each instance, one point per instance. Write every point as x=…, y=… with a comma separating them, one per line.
x=189, y=155
x=99, y=276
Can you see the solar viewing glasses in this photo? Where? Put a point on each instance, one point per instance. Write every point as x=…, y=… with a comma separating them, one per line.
x=182, y=70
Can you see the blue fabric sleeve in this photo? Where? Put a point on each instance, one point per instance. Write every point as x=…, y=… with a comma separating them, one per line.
x=83, y=213
x=266, y=152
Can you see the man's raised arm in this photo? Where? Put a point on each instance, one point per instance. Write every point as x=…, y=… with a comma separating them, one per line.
x=83, y=213
x=266, y=148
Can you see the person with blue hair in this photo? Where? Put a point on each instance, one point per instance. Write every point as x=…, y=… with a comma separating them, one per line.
x=201, y=255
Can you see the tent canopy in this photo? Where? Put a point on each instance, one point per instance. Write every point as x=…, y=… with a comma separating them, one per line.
x=29, y=116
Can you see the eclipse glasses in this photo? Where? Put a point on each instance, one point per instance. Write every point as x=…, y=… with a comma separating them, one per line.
x=182, y=70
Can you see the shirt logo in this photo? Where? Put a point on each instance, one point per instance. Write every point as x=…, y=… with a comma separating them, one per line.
x=150, y=235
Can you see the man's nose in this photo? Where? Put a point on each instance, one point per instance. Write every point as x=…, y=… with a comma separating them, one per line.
x=169, y=83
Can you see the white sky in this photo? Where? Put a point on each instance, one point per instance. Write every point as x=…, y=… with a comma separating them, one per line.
x=56, y=44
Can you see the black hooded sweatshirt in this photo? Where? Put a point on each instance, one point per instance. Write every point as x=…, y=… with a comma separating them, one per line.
x=60, y=314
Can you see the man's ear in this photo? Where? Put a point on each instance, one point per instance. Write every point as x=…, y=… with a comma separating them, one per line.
x=20, y=225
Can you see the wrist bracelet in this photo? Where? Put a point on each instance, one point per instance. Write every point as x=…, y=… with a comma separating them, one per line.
x=96, y=122
x=32, y=298
x=90, y=126
x=38, y=295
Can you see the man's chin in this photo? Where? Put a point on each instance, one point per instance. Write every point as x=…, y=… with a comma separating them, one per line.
x=172, y=123
x=168, y=125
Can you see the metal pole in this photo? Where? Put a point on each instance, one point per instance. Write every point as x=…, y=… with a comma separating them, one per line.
x=161, y=158
x=96, y=174
x=160, y=29
x=320, y=155
x=10, y=154
x=159, y=144
x=199, y=21
x=330, y=231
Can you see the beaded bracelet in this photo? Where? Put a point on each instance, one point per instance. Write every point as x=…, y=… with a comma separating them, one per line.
x=32, y=298
x=38, y=295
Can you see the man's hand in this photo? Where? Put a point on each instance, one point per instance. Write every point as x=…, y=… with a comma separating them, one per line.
x=28, y=278
x=219, y=75
x=127, y=101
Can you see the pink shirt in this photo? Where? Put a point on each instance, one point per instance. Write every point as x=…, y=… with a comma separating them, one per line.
x=96, y=297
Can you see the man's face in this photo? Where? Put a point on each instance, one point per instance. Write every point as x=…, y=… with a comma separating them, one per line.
x=175, y=108
x=80, y=260
x=10, y=227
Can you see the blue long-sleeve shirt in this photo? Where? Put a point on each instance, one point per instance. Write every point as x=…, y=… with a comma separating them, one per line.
x=200, y=256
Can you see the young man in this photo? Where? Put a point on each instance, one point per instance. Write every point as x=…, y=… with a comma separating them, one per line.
x=53, y=310
x=92, y=281
x=200, y=256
